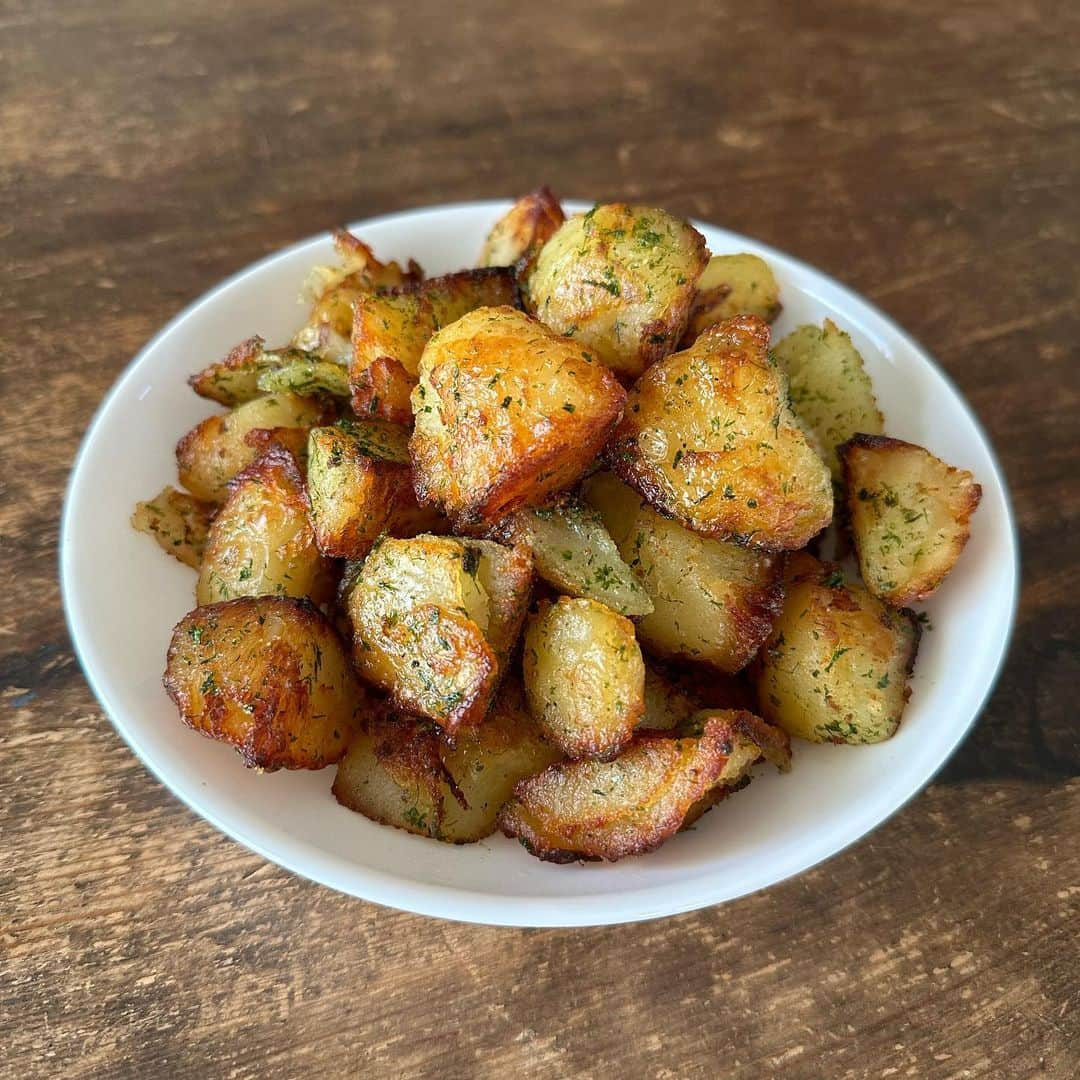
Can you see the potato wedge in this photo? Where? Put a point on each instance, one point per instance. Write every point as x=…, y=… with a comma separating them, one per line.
x=214, y=451
x=307, y=377
x=708, y=438
x=732, y=285
x=517, y=237
x=434, y=619
x=398, y=772
x=178, y=522
x=261, y=543
x=390, y=331
x=507, y=413
x=830, y=389
x=619, y=280
x=269, y=676
x=235, y=379
x=392, y=773
x=713, y=601
x=572, y=551
x=356, y=490
x=835, y=667
x=584, y=677
x=910, y=515
x=628, y=806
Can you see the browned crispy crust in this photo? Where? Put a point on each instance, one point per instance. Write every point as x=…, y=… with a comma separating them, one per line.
x=239, y=356
x=292, y=440
x=488, y=461
x=739, y=492
x=269, y=676
x=381, y=390
x=566, y=813
x=517, y=237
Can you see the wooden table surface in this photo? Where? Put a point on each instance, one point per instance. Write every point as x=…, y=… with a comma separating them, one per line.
x=925, y=153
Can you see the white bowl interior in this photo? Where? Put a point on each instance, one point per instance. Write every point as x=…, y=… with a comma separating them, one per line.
x=123, y=596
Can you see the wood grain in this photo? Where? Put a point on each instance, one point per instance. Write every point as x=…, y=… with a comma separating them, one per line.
x=924, y=153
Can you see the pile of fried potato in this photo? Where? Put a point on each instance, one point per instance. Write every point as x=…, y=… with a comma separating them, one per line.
x=529, y=547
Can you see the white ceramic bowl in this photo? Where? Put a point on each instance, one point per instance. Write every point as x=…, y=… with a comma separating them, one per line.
x=122, y=597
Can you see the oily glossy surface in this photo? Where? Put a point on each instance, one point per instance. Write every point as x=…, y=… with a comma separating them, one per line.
x=923, y=153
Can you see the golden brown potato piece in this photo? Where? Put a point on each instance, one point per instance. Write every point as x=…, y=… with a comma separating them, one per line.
x=359, y=483
x=334, y=290
x=507, y=413
x=178, y=522
x=619, y=280
x=732, y=285
x=708, y=438
x=215, y=450
x=269, y=676
x=713, y=601
x=434, y=618
x=398, y=772
x=830, y=389
x=517, y=237
x=390, y=331
x=572, y=551
x=584, y=677
x=261, y=543
x=628, y=806
x=909, y=515
x=235, y=379
x=675, y=694
x=835, y=667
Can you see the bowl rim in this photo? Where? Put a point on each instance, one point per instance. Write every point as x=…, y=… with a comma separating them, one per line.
x=447, y=901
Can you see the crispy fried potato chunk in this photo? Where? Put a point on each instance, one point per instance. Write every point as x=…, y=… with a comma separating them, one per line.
x=507, y=413
x=708, y=438
x=269, y=676
x=675, y=694
x=573, y=551
x=434, y=619
x=235, y=379
x=628, y=806
x=178, y=522
x=306, y=377
x=584, y=677
x=910, y=514
x=390, y=331
x=619, y=280
x=334, y=290
x=835, y=667
x=215, y=450
x=732, y=285
x=713, y=601
x=360, y=485
x=830, y=389
x=398, y=772
x=261, y=543
x=517, y=237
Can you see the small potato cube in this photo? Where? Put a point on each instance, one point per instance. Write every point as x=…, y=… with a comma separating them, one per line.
x=215, y=450
x=573, y=551
x=517, y=237
x=733, y=285
x=360, y=485
x=713, y=601
x=178, y=522
x=835, y=667
x=434, y=619
x=910, y=514
x=708, y=438
x=830, y=389
x=584, y=677
x=398, y=772
x=619, y=280
x=269, y=676
x=628, y=806
x=507, y=413
x=261, y=543
x=390, y=331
